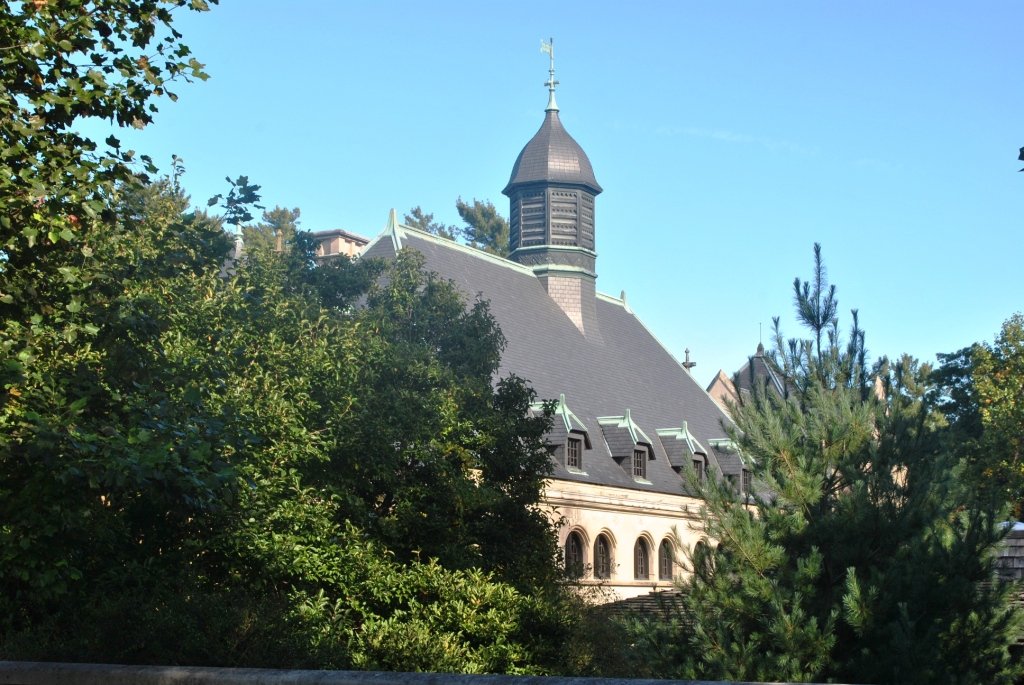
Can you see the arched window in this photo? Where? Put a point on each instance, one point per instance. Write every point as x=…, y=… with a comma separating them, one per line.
x=602, y=558
x=704, y=559
x=666, y=560
x=574, y=555
x=641, y=560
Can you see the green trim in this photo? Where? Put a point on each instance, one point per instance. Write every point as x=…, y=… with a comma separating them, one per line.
x=466, y=249
x=635, y=432
x=686, y=436
x=555, y=269
x=555, y=248
x=571, y=422
x=729, y=445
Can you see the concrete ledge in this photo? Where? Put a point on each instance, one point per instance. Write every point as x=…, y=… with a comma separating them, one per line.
x=45, y=673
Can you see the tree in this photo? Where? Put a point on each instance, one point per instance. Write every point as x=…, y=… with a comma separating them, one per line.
x=177, y=446
x=236, y=432
x=278, y=229
x=485, y=229
x=857, y=556
x=982, y=396
x=999, y=382
x=65, y=259
x=425, y=222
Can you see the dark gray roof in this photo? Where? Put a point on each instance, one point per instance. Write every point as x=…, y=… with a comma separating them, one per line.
x=624, y=368
x=553, y=156
x=761, y=370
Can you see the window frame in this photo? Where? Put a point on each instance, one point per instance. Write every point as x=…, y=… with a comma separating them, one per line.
x=575, y=564
x=639, y=469
x=641, y=560
x=602, y=558
x=666, y=560
x=574, y=453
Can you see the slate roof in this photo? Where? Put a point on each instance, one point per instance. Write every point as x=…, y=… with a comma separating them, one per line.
x=623, y=369
x=680, y=445
x=563, y=423
x=553, y=156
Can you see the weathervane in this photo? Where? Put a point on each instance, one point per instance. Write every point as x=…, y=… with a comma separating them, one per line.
x=549, y=48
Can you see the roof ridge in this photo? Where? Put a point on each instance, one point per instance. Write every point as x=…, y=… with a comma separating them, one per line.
x=472, y=251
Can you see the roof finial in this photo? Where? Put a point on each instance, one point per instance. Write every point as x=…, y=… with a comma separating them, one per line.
x=549, y=48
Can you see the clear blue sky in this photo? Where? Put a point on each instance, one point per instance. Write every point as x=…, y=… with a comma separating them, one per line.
x=728, y=137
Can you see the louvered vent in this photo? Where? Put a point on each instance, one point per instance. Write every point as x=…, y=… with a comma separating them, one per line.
x=564, y=217
x=513, y=225
x=587, y=221
x=532, y=218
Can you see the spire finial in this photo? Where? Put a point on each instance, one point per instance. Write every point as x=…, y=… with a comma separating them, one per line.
x=549, y=48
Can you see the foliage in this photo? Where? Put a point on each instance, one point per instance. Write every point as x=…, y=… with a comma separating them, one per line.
x=278, y=229
x=184, y=447
x=485, y=229
x=425, y=222
x=982, y=396
x=232, y=432
x=858, y=557
x=65, y=263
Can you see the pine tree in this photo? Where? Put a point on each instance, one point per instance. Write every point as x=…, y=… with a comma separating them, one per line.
x=275, y=232
x=485, y=228
x=425, y=222
x=858, y=557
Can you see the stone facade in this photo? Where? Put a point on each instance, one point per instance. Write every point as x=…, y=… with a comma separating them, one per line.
x=624, y=517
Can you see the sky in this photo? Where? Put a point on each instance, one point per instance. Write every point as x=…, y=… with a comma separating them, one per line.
x=729, y=137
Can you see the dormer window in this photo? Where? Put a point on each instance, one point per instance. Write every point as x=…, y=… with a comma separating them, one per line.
x=735, y=466
x=684, y=452
x=568, y=438
x=628, y=444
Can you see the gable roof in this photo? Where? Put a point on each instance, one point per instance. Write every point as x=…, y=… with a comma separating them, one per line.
x=760, y=370
x=623, y=368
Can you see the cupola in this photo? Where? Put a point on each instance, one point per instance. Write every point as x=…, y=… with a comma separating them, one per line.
x=551, y=213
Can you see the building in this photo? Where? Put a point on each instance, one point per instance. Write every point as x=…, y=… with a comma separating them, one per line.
x=759, y=370
x=632, y=427
x=330, y=244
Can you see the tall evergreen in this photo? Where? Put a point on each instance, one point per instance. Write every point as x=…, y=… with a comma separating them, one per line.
x=859, y=556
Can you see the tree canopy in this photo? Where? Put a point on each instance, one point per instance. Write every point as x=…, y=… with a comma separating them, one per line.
x=858, y=556
x=981, y=393
x=485, y=229
x=213, y=465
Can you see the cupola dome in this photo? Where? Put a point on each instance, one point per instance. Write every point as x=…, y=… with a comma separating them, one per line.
x=552, y=156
